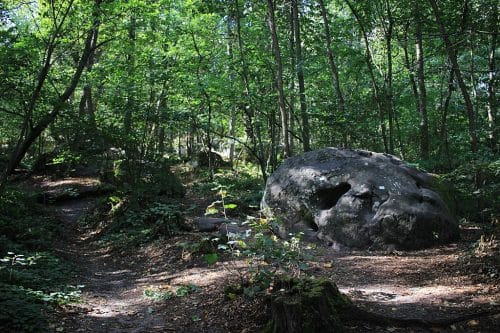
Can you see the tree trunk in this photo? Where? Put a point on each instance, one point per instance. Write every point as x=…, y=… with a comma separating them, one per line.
x=452, y=56
x=444, y=106
x=252, y=127
x=389, y=90
x=370, y=65
x=211, y=166
x=291, y=84
x=307, y=305
x=32, y=133
x=334, y=69
x=232, y=116
x=492, y=101
x=279, y=80
x=127, y=120
x=422, y=93
x=87, y=104
x=300, y=78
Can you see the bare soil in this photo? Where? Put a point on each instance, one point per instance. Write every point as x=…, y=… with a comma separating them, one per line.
x=439, y=283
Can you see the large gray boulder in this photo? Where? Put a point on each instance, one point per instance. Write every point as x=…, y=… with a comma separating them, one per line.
x=358, y=199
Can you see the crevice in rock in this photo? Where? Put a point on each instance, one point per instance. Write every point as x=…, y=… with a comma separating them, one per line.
x=328, y=197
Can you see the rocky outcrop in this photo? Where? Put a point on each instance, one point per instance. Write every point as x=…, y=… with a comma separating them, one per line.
x=358, y=199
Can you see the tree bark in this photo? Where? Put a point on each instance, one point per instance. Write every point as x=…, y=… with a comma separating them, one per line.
x=127, y=120
x=291, y=84
x=252, y=127
x=206, y=96
x=28, y=137
x=389, y=77
x=279, y=80
x=87, y=104
x=333, y=69
x=300, y=78
x=370, y=65
x=492, y=101
x=422, y=93
x=452, y=56
x=232, y=119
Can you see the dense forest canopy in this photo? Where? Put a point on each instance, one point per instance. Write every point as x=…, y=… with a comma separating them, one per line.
x=137, y=136
x=253, y=79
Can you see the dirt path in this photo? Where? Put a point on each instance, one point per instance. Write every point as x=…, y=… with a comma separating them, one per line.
x=430, y=284
x=113, y=298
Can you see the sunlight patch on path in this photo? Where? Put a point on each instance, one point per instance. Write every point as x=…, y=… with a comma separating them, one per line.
x=390, y=294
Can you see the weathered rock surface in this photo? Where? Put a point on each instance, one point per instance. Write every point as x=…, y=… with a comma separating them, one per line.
x=359, y=199
x=209, y=224
x=224, y=227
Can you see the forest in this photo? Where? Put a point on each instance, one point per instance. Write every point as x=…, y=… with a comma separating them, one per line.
x=137, y=138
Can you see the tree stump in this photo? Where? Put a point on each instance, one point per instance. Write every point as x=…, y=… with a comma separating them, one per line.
x=306, y=305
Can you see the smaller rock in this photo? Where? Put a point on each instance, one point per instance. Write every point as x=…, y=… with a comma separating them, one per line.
x=235, y=231
x=210, y=224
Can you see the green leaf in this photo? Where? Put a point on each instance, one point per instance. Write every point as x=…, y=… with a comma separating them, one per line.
x=230, y=206
x=211, y=258
x=211, y=210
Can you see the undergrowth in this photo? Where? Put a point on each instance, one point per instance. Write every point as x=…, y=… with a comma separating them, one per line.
x=33, y=280
x=134, y=218
x=242, y=189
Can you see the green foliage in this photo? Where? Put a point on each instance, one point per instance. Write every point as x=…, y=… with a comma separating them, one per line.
x=21, y=222
x=479, y=204
x=211, y=258
x=130, y=219
x=158, y=294
x=238, y=193
x=32, y=279
x=20, y=311
x=267, y=256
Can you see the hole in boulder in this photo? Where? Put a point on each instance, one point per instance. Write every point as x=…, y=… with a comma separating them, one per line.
x=328, y=197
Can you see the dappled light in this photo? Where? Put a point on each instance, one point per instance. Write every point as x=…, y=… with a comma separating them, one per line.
x=240, y=166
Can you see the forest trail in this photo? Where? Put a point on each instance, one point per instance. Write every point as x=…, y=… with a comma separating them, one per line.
x=115, y=281
x=433, y=284
x=113, y=298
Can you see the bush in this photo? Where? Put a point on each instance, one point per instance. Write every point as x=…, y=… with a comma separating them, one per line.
x=479, y=204
x=131, y=219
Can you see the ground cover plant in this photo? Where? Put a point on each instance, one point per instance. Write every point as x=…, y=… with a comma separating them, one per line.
x=34, y=280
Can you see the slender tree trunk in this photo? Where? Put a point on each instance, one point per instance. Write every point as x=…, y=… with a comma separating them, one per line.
x=33, y=132
x=334, y=69
x=87, y=104
x=300, y=78
x=452, y=56
x=389, y=77
x=232, y=119
x=127, y=120
x=160, y=119
x=252, y=127
x=492, y=101
x=370, y=65
x=444, y=105
x=206, y=96
x=291, y=84
x=279, y=80
x=443, y=131
x=422, y=93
